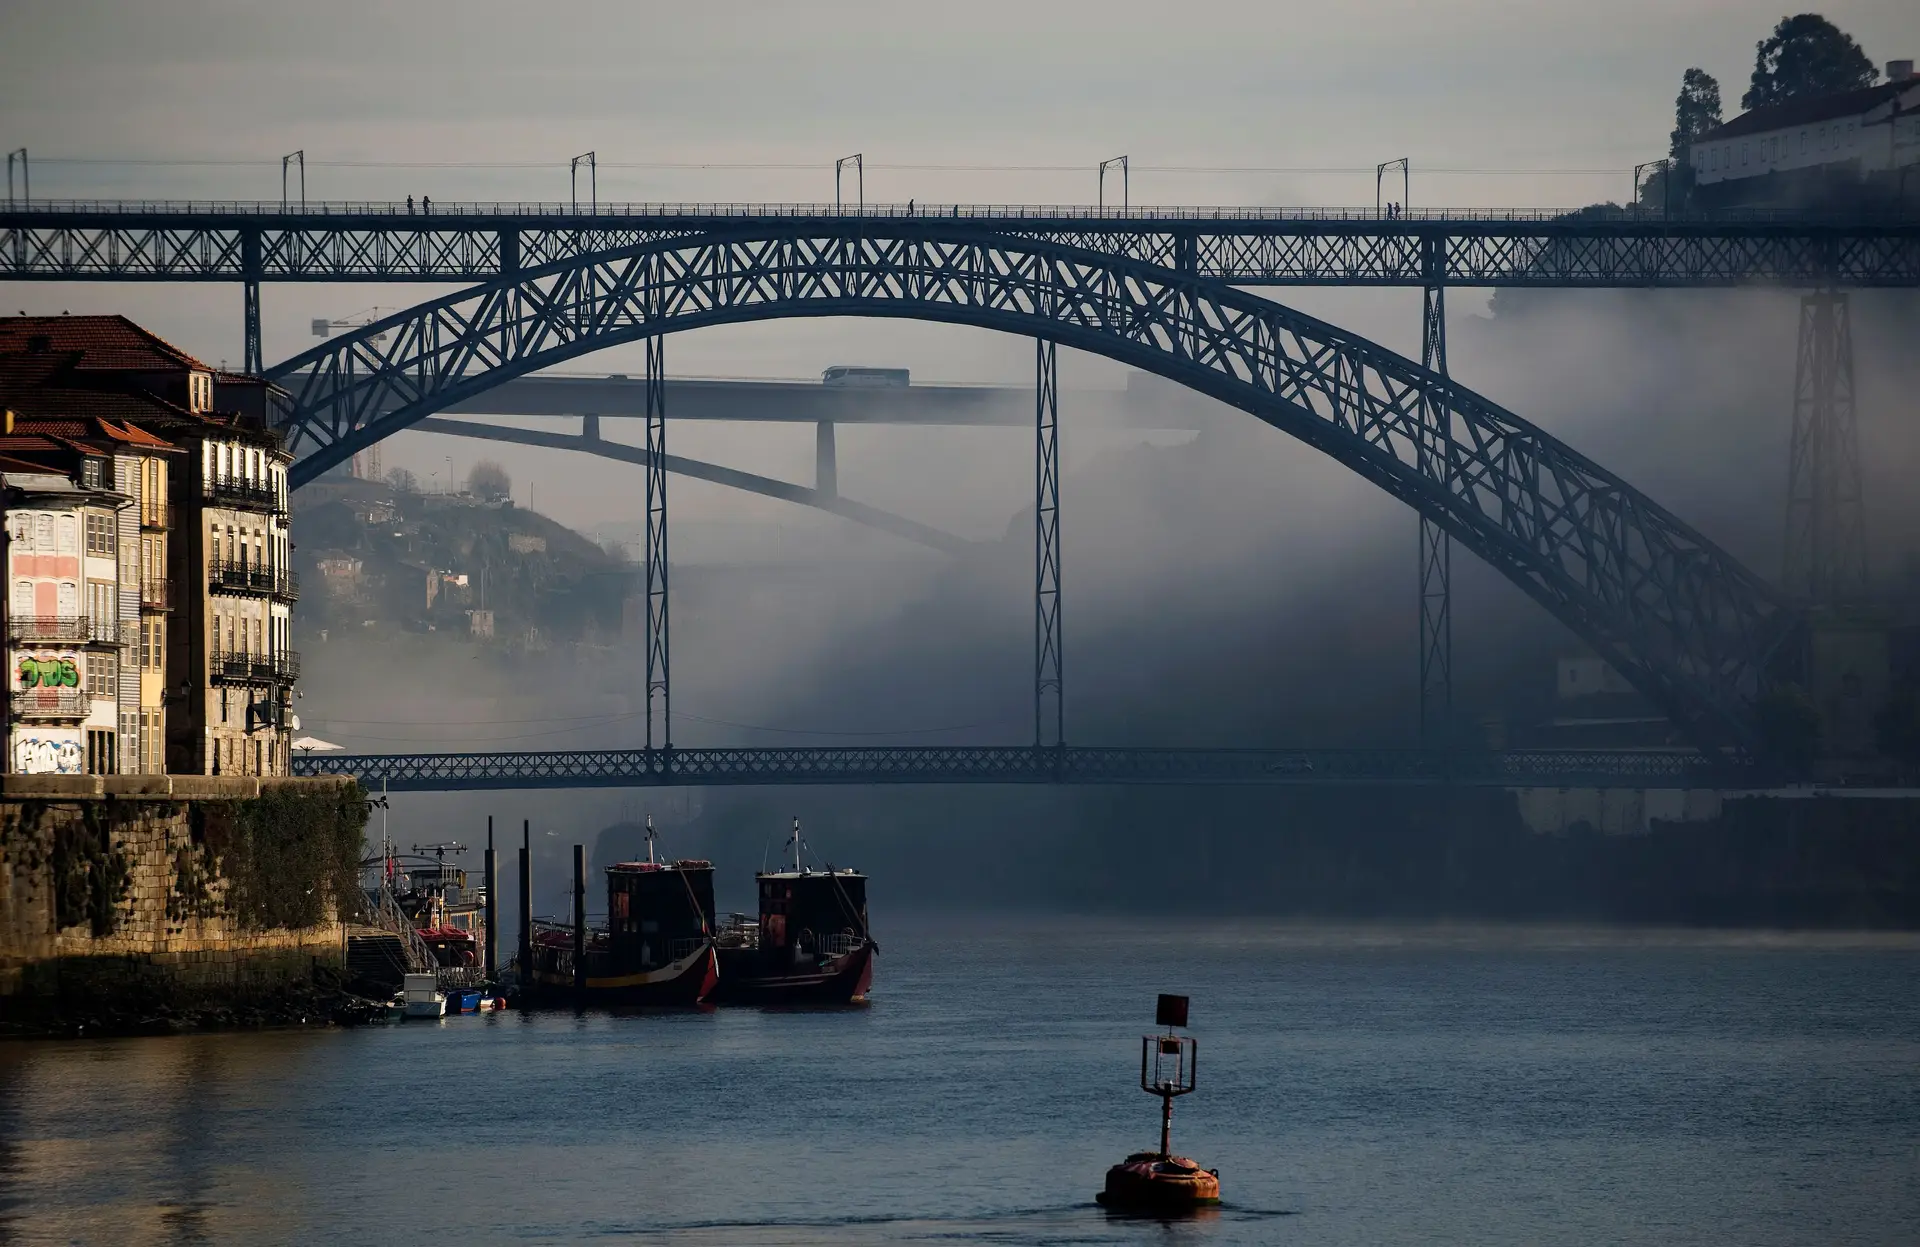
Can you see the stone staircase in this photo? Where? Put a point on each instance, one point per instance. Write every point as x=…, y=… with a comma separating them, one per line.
x=376, y=961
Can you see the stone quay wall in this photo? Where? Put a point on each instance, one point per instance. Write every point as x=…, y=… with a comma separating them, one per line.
x=156, y=903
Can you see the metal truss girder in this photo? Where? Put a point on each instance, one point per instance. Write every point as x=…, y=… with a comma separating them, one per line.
x=1029, y=764
x=129, y=242
x=1676, y=615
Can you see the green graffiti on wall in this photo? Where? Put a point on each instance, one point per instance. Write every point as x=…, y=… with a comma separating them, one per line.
x=49, y=673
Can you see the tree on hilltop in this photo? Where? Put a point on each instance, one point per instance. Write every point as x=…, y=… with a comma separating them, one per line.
x=1807, y=55
x=1695, y=111
x=490, y=481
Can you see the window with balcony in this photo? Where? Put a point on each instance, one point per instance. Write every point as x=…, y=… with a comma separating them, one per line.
x=103, y=606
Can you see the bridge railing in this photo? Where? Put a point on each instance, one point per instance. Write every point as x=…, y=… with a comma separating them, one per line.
x=561, y=210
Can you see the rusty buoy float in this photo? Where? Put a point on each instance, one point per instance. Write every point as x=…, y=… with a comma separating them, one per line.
x=1160, y=1182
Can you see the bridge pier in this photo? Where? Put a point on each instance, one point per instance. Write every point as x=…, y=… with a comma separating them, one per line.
x=659, y=694
x=826, y=468
x=1825, y=557
x=1049, y=686
x=250, y=315
x=1436, y=547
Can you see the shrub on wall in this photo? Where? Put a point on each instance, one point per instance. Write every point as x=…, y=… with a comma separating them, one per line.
x=90, y=873
x=291, y=858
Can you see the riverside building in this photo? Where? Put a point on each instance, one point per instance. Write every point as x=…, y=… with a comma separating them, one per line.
x=1857, y=146
x=177, y=494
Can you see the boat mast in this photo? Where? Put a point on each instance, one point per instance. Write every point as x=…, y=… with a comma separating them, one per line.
x=650, y=837
x=796, y=844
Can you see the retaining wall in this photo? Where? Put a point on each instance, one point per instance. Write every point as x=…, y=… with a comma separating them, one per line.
x=157, y=902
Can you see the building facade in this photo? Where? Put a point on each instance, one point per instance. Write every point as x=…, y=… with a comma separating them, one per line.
x=146, y=521
x=1856, y=145
x=66, y=642
x=240, y=630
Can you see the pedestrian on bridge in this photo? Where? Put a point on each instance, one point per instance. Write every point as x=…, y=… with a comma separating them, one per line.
x=409, y=205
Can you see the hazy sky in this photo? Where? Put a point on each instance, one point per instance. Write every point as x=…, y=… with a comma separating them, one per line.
x=1487, y=97
x=1466, y=85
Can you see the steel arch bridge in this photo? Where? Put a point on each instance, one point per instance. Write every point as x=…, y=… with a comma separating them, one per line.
x=1678, y=617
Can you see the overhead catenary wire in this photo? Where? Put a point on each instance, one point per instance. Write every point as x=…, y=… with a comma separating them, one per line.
x=229, y=162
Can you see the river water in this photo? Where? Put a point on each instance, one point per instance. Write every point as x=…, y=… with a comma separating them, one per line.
x=1361, y=1086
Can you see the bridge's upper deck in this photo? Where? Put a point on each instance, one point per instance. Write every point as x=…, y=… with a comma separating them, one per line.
x=1133, y=217
x=381, y=240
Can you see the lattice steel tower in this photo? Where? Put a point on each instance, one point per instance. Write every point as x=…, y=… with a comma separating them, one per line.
x=1049, y=678
x=659, y=691
x=1436, y=547
x=1826, y=544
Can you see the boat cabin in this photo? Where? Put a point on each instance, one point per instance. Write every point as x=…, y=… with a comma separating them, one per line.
x=812, y=912
x=658, y=912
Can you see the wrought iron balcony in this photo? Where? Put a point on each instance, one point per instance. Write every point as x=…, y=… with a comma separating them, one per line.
x=239, y=491
x=52, y=703
x=157, y=515
x=241, y=576
x=156, y=594
x=282, y=667
x=72, y=629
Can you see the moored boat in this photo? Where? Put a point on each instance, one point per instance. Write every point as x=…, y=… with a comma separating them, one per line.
x=655, y=949
x=423, y=997
x=810, y=944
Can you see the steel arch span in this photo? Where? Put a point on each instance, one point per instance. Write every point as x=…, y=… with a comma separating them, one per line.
x=1677, y=616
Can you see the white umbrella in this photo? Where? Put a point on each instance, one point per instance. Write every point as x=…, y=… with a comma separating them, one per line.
x=313, y=744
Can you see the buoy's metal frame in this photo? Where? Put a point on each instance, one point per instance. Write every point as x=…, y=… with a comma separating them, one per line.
x=1185, y=1051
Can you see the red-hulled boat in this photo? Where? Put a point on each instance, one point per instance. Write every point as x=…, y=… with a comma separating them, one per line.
x=811, y=944
x=656, y=949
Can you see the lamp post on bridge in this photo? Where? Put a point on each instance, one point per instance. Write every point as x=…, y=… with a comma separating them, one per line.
x=1101, y=193
x=859, y=162
x=1665, y=166
x=1380, y=172
x=593, y=181
x=26, y=185
x=294, y=158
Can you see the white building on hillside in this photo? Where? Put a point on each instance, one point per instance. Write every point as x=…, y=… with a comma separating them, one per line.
x=1858, y=144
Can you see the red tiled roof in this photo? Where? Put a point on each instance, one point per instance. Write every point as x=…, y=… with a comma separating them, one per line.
x=90, y=429
x=17, y=443
x=43, y=387
x=1807, y=112
x=9, y=464
x=89, y=374
x=103, y=343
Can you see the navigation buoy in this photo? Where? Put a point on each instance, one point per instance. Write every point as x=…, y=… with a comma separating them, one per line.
x=1160, y=1181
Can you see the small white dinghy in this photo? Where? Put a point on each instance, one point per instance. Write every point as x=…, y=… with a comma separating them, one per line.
x=424, y=997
